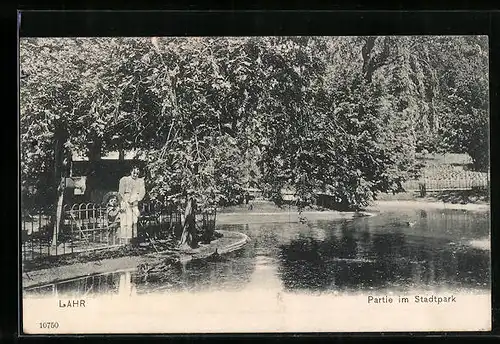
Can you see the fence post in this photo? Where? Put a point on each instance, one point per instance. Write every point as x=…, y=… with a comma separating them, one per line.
x=422, y=189
x=58, y=213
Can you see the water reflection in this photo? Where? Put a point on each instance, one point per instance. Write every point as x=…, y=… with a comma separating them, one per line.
x=396, y=250
x=111, y=283
x=386, y=252
x=232, y=273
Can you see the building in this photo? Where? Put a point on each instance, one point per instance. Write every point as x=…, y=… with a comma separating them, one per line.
x=92, y=181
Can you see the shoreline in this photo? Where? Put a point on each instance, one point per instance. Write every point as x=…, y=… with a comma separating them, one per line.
x=234, y=218
x=284, y=217
x=429, y=205
x=65, y=272
x=39, y=277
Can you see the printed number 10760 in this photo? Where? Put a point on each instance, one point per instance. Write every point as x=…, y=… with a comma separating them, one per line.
x=49, y=324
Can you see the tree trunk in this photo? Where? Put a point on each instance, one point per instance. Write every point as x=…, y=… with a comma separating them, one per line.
x=366, y=52
x=209, y=227
x=372, y=61
x=121, y=154
x=189, y=237
x=94, y=156
x=59, y=212
x=60, y=173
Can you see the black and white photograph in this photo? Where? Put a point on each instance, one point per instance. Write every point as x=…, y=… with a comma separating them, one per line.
x=256, y=184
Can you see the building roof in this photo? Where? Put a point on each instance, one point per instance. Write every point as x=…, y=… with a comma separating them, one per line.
x=113, y=155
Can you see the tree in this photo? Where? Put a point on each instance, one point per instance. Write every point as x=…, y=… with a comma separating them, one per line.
x=329, y=131
x=466, y=102
x=66, y=89
x=197, y=159
x=343, y=116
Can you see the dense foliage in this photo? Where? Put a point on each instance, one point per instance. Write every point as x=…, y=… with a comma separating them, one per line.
x=343, y=116
x=465, y=103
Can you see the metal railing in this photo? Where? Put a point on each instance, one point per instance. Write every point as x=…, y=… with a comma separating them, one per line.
x=84, y=227
x=37, y=229
x=90, y=226
x=158, y=220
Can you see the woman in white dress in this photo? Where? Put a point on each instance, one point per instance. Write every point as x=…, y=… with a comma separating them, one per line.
x=131, y=191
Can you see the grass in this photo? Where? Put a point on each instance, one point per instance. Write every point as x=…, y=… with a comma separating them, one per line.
x=475, y=196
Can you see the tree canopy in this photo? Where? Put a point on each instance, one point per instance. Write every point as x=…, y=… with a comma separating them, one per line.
x=337, y=115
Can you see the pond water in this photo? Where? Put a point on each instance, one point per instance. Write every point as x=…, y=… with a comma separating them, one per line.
x=396, y=250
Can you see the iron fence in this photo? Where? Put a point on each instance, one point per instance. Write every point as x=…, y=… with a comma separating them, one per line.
x=87, y=226
x=83, y=227
x=90, y=226
x=158, y=220
x=36, y=233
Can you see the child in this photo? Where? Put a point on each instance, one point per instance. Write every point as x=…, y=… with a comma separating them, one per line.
x=112, y=218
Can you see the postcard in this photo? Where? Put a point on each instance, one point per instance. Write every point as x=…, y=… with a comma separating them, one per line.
x=255, y=184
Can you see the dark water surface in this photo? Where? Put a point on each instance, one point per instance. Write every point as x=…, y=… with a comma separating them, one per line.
x=394, y=250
